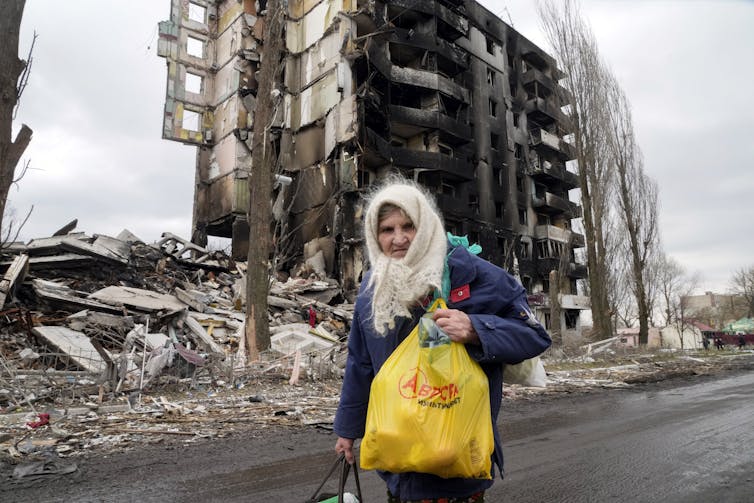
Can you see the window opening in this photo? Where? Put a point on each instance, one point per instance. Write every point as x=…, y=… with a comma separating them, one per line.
x=195, y=47
x=490, y=77
x=193, y=83
x=490, y=45
x=523, y=218
x=197, y=13
x=520, y=185
x=190, y=120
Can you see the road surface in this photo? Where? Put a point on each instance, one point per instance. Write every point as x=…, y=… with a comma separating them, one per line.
x=688, y=441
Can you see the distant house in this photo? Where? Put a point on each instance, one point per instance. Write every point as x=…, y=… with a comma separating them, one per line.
x=692, y=336
x=667, y=337
x=629, y=337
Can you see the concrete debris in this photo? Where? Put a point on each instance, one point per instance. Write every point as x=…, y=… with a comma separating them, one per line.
x=96, y=321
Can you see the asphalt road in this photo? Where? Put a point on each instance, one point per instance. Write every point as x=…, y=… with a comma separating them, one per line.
x=673, y=442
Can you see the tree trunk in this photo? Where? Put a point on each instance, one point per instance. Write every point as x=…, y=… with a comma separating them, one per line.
x=263, y=161
x=11, y=67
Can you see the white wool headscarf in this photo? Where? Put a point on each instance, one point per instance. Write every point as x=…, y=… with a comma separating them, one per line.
x=397, y=284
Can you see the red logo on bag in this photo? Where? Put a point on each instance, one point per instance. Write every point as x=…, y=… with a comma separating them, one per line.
x=413, y=384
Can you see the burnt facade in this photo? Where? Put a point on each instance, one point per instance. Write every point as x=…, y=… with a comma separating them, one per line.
x=441, y=90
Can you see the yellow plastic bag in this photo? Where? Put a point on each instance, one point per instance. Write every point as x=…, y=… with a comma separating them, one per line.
x=429, y=409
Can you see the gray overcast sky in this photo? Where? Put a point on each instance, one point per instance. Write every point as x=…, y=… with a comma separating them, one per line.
x=96, y=95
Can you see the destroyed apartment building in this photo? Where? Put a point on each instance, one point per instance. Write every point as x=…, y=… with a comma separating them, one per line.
x=442, y=91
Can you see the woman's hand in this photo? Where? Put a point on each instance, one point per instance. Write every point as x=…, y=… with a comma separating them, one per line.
x=345, y=446
x=457, y=325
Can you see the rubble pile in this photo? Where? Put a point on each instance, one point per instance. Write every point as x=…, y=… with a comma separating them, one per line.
x=96, y=319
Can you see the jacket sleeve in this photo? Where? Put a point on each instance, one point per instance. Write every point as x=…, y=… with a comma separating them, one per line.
x=350, y=417
x=510, y=336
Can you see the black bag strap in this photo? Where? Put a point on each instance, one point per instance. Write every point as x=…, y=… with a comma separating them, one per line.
x=344, y=477
x=345, y=467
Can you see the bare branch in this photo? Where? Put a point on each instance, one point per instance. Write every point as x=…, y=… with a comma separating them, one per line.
x=23, y=79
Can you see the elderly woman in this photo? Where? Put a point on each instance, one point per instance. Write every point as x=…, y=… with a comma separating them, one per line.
x=412, y=261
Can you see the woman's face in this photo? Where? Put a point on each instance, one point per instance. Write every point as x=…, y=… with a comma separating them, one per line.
x=395, y=233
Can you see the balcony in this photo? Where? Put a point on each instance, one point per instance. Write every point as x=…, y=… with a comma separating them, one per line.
x=429, y=80
x=553, y=173
x=408, y=158
x=553, y=143
x=577, y=271
x=533, y=78
x=534, y=56
x=412, y=121
x=453, y=206
x=580, y=302
x=557, y=234
x=543, y=111
x=414, y=44
x=453, y=25
x=567, y=301
x=553, y=204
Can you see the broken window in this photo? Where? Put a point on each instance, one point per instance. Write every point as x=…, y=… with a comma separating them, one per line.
x=194, y=47
x=540, y=190
x=494, y=140
x=454, y=227
x=474, y=203
x=490, y=77
x=524, y=250
x=497, y=174
x=523, y=217
x=445, y=149
x=363, y=178
x=448, y=189
x=520, y=184
x=190, y=120
x=493, y=108
x=502, y=245
x=518, y=151
x=197, y=12
x=571, y=318
x=526, y=282
x=193, y=83
x=490, y=45
x=542, y=251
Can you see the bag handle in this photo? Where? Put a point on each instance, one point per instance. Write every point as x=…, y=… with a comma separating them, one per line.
x=345, y=467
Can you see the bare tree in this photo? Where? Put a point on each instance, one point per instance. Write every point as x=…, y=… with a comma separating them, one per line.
x=674, y=285
x=637, y=200
x=576, y=51
x=13, y=77
x=743, y=285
